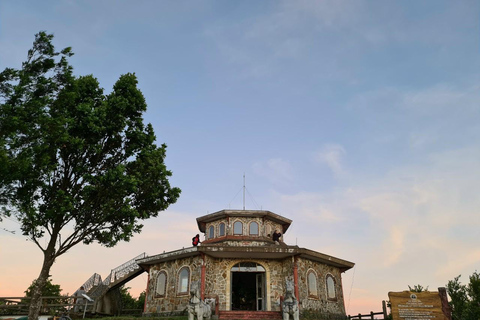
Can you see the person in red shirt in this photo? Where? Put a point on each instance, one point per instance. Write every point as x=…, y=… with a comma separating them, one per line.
x=196, y=240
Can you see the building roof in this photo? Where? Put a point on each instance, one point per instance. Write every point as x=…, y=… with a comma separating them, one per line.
x=268, y=215
x=253, y=252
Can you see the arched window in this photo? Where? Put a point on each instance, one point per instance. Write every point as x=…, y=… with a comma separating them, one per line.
x=161, y=285
x=331, y=293
x=269, y=230
x=238, y=228
x=221, y=229
x=312, y=283
x=253, y=228
x=183, y=280
x=211, y=232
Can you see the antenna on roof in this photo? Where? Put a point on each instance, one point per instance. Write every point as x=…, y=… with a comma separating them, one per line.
x=244, y=191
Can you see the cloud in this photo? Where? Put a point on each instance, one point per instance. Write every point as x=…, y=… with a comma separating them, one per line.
x=332, y=155
x=417, y=222
x=277, y=170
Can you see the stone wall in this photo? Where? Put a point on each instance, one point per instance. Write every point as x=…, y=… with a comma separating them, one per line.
x=320, y=302
x=218, y=280
x=265, y=227
x=172, y=301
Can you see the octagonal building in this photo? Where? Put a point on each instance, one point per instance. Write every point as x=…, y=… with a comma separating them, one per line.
x=244, y=270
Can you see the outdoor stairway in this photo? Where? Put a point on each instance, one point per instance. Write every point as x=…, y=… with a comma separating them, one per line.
x=247, y=315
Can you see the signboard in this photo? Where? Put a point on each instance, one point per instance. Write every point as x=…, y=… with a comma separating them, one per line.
x=409, y=305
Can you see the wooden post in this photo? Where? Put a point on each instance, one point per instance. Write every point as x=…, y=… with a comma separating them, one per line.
x=359, y=316
x=384, y=308
x=371, y=315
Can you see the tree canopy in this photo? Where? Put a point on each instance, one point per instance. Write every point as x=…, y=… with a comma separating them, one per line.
x=76, y=164
x=465, y=299
x=50, y=289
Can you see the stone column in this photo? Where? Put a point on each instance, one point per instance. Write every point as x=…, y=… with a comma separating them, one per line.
x=202, y=285
x=146, y=292
x=295, y=277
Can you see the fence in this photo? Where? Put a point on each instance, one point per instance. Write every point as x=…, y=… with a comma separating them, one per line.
x=372, y=314
x=49, y=305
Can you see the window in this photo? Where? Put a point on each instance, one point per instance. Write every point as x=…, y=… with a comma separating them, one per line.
x=161, y=284
x=247, y=267
x=238, y=228
x=254, y=228
x=331, y=295
x=211, y=232
x=312, y=283
x=269, y=230
x=183, y=280
x=221, y=229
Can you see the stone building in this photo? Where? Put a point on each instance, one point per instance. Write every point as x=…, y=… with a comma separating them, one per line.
x=242, y=268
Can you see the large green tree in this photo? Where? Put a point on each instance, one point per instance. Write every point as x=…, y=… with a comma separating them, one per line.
x=465, y=299
x=76, y=165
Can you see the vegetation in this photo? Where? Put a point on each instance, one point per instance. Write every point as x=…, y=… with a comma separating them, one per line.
x=48, y=290
x=417, y=288
x=76, y=165
x=131, y=303
x=465, y=299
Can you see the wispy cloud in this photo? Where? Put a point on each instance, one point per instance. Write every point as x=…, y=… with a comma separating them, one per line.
x=332, y=155
x=276, y=170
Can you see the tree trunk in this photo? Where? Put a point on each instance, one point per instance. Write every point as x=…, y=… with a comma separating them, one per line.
x=35, y=303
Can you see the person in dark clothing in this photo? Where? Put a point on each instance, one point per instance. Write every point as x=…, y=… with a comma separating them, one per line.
x=276, y=237
x=196, y=240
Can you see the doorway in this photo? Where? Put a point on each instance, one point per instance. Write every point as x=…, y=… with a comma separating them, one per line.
x=248, y=287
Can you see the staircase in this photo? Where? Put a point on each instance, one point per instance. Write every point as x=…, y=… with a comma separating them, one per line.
x=247, y=315
x=97, y=288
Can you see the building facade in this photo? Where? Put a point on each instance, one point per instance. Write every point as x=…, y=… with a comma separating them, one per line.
x=242, y=268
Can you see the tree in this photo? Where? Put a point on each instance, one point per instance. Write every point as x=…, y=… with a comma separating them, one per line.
x=128, y=302
x=141, y=300
x=49, y=289
x=465, y=299
x=76, y=165
x=417, y=288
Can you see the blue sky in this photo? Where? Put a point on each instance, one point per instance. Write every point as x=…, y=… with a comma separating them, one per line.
x=358, y=120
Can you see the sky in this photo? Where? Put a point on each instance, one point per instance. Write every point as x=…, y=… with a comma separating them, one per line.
x=358, y=120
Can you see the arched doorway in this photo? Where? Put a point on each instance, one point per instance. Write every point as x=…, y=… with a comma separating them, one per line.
x=247, y=286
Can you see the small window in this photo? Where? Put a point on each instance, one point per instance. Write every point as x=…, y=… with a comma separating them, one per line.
x=254, y=228
x=221, y=229
x=269, y=230
x=183, y=280
x=161, y=284
x=331, y=295
x=312, y=283
x=238, y=228
x=211, y=232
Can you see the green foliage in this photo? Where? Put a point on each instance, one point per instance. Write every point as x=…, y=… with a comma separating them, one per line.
x=417, y=288
x=129, y=302
x=72, y=154
x=49, y=290
x=76, y=164
x=135, y=318
x=309, y=314
x=465, y=299
x=140, y=303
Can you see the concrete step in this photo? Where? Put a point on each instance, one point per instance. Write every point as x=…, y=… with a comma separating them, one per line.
x=247, y=315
